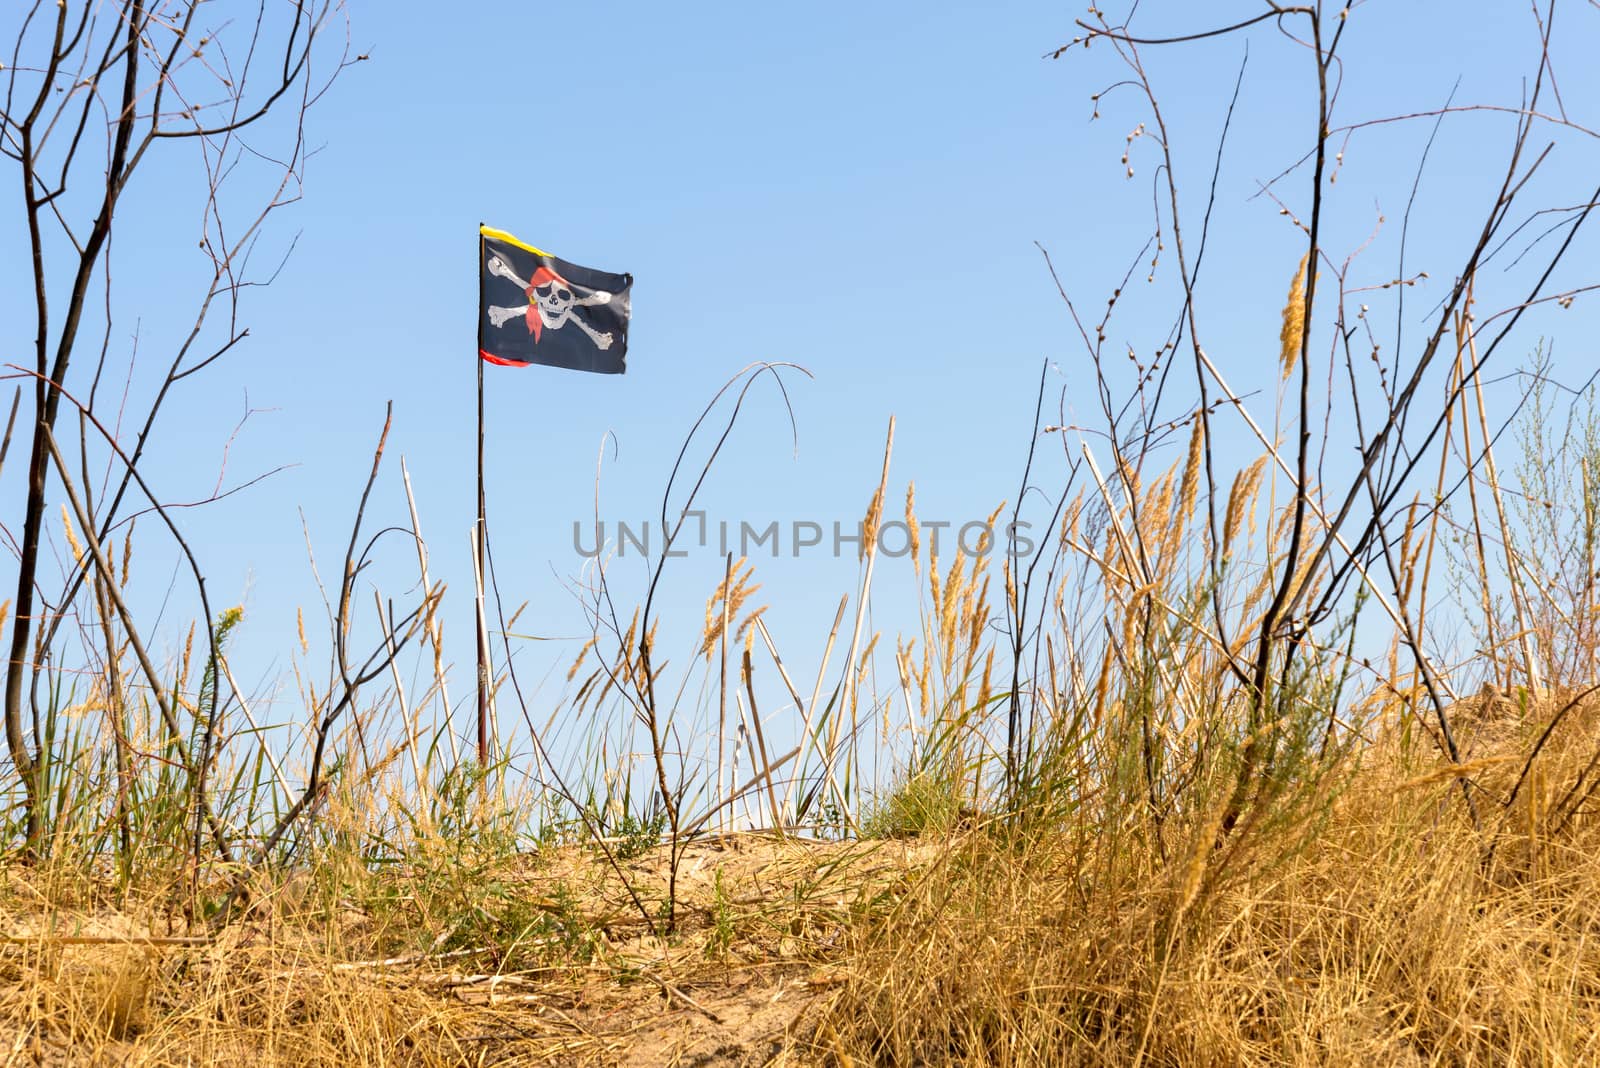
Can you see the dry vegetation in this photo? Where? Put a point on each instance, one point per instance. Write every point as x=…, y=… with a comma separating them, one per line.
x=1384, y=935
x=1285, y=754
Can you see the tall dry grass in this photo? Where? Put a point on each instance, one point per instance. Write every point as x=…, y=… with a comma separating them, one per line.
x=1392, y=932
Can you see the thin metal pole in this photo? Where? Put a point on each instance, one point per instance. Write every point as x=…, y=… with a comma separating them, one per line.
x=482, y=556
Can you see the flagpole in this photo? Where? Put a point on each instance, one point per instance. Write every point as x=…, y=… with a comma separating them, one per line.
x=480, y=546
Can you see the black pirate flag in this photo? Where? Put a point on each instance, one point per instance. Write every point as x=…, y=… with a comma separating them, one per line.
x=535, y=308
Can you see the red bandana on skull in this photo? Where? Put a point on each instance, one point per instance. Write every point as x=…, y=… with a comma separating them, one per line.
x=542, y=277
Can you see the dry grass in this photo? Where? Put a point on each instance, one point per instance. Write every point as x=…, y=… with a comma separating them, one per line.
x=1392, y=936
x=309, y=979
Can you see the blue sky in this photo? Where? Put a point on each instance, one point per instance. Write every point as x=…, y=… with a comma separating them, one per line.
x=860, y=189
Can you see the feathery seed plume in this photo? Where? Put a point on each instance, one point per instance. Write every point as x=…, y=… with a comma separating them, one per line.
x=1291, y=337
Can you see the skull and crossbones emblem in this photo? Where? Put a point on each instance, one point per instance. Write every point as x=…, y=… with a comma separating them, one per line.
x=552, y=302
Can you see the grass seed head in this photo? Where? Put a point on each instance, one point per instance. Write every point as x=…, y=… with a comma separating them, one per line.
x=72, y=537
x=1291, y=337
x=914, y=529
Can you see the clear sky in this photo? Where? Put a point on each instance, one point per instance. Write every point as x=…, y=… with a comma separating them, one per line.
x=858, y=188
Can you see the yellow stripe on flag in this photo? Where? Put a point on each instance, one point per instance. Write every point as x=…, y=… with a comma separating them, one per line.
x=501, y=235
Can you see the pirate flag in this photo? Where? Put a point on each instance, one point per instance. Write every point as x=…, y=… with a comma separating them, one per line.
x=535, y=308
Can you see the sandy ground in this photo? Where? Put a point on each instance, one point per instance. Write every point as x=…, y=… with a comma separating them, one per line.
x=760, y=943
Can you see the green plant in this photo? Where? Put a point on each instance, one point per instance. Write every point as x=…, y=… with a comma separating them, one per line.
x=638, y=834
x=923, y=803
x=720, y=938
